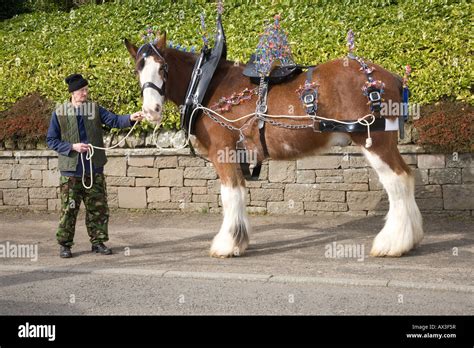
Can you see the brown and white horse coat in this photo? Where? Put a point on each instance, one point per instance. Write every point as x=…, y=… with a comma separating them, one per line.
x=340, y=98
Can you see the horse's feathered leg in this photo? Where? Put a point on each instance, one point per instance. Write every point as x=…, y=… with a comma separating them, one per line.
x=403, y=228
x=232, y=239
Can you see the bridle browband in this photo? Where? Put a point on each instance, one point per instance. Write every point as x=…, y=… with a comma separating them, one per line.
x=149, y=84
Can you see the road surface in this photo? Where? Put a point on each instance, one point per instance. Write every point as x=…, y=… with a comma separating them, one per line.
x=161, y=265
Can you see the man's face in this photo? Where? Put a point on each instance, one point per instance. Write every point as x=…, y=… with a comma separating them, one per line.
x=80, y=96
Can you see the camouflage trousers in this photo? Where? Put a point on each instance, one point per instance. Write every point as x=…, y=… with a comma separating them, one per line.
x=97, y=210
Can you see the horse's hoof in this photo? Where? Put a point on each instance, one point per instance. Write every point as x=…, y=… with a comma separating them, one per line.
x=384, y=250
x=219, y=256
x=374, y=253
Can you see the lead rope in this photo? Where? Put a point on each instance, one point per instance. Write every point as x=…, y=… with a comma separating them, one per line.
x=90, y=154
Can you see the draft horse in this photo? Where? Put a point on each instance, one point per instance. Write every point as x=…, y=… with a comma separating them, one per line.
x=164, y=74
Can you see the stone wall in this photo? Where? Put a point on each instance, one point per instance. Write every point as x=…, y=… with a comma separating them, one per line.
x=337, y=183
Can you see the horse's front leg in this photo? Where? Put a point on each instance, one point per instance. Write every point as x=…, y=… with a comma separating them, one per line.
x=233, y=236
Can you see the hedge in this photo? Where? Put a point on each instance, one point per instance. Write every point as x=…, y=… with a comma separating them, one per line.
x=39, y=49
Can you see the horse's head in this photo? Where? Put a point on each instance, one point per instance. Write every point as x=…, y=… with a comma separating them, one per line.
x=152, y=70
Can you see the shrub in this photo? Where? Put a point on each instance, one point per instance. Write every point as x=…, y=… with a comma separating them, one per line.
x=446, y=127
x=41, y=48
x=60, y=5
x=28, y=119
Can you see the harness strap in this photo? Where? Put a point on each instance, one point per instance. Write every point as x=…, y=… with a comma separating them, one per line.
x=245, y=167
x=379, y=124
x=263, y=141
x=373, y=89
x=309, y=95
x=260, y=109
x=149, y=84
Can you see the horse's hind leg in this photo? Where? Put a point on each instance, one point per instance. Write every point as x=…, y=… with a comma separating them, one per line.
x=403, y=228
x=232, y=239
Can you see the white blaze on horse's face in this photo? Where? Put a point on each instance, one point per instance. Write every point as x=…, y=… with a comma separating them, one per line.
x=152, y=100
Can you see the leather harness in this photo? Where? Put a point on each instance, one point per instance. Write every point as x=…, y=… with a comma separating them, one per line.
x=150, y=84
x=201, y=77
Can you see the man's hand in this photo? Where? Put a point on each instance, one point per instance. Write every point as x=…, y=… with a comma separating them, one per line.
x=137, y=116
x=80, y=147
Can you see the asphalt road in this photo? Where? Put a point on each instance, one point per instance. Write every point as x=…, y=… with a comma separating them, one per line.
x=161, y=266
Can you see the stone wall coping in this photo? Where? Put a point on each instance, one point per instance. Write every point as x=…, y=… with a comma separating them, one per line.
x=334, y=150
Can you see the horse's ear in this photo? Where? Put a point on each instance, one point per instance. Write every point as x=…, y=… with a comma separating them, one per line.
x=161, y=41
x=131, y=48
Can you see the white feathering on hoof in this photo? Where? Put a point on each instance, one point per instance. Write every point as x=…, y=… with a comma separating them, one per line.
x=403, y=228
x=232, y=239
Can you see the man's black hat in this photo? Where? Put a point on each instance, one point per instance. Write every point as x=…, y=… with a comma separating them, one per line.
x=75, y=82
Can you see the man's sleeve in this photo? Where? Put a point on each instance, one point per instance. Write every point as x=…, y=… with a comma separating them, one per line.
x=53, y=138
x=114, y=121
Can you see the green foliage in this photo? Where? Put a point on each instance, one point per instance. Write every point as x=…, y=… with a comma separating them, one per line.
x=171, y=116
x=50, y=5
x=41, y=48
x=10, y=8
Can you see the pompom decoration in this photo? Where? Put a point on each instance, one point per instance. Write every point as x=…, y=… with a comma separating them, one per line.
x=220, y=7
x=182, y=48
x=307, y=86
x=407, y=74
x=350, y=42
x=377, y=84
x=149, y=36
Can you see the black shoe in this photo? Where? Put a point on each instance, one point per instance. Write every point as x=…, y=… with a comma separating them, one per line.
x=65, y=252
x=101, y=248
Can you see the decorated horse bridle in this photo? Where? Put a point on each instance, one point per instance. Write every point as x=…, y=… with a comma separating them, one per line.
x=149, y=84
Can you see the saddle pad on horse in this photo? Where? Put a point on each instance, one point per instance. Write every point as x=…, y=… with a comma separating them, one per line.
x=277, y=75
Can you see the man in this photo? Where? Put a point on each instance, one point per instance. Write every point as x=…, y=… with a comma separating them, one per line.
x=73, y=126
